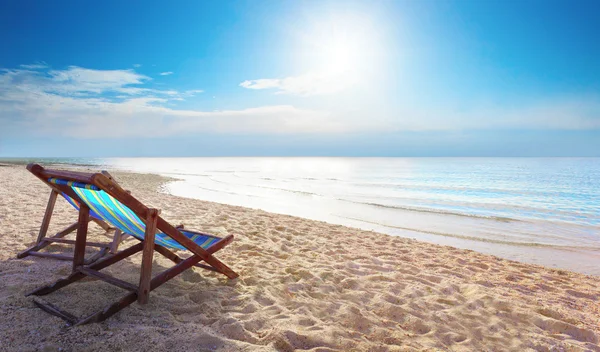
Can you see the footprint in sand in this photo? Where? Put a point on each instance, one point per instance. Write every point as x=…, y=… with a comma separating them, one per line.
x=418, y=327
x=582, y=294
x=559, y=327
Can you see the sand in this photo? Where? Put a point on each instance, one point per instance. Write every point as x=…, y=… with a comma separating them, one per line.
x=304, y=285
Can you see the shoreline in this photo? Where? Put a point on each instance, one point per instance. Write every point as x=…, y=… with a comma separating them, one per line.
x=546, y=255
x=580, y=257
x=304, y=284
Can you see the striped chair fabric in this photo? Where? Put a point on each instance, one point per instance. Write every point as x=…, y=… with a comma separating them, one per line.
x=103, y=206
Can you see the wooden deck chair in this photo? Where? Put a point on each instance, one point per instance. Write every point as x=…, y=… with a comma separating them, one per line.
x=43, y=241
x=98, y=193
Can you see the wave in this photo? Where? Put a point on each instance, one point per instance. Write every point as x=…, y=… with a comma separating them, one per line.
x=183, y=176
x=225, y=171
x=267, y=187
x=290, y=190
x=434, y=211
x=473, y=190
x=220, y=191
x=478, y=239
x=525, y=213
x=318, y=179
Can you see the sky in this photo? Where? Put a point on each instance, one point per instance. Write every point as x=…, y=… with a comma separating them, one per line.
x=293, y=78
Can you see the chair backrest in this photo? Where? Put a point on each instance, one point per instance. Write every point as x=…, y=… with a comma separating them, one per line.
x=109, y=202
x=120, y=216
x=112, y=211
x=105, y=207
x=73, y=202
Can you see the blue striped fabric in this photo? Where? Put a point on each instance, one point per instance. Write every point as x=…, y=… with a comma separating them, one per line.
x=118, y=215
x=58, y=181
x=75, y=205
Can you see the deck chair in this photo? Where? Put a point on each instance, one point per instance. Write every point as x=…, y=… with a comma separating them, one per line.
x=97, y=193
x=43, y=241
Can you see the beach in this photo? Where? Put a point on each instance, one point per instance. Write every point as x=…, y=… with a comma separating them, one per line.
x=543, y=211
x=304, y=285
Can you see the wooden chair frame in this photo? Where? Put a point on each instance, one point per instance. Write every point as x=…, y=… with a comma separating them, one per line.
x=43, y=241
x=154, y=223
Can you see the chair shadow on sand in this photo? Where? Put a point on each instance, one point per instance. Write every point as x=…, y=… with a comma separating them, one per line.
x=92, y=294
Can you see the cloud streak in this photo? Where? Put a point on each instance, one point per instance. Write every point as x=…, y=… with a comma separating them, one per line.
x=78, y=80
x=166, y=73
x=303, y=85
x=34, y=66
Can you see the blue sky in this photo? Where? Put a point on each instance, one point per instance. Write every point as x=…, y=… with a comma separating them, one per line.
x=391, y=78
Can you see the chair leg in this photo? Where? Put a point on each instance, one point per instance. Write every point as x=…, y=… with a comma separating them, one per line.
x=106, y=227
x=108, y=311
x=47, y=216
x=47, y=241
x=44, y=244
x=114, y=246
x=79, y=254
x=131, y=297
x=146, y=270
x=101, y=253
x=196, y=249
x=76, y=276
x=54, y=310
x=125, y=301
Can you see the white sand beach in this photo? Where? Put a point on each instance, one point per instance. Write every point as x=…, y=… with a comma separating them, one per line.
x=304, y=286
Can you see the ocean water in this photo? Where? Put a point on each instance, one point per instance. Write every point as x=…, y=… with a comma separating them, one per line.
x=537, y=210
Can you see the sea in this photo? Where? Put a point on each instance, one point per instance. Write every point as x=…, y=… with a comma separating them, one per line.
x=535, y=210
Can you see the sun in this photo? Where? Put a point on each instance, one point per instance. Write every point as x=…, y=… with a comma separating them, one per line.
x=340, y=56
x=340, y=44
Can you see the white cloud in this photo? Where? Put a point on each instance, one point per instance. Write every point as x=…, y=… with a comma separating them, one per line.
x=80, y=102
x=191, y=92
x=305, y=85
x=261, y=83
x=38, y=66
x=83, y=80
x=137, y=65
x=166, y=73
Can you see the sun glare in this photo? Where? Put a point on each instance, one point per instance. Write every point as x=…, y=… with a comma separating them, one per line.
x=340, y=56
x=340, y=44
